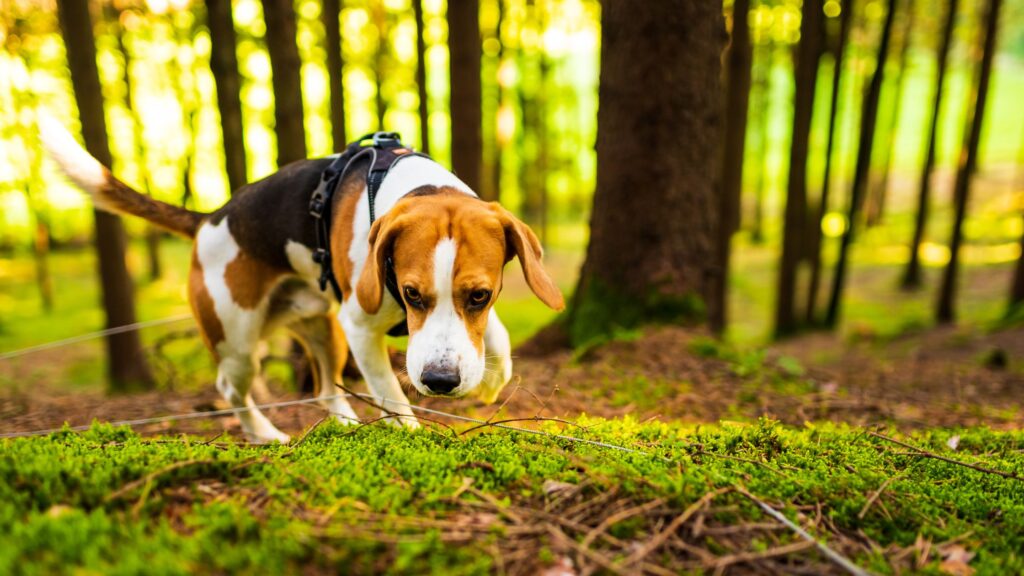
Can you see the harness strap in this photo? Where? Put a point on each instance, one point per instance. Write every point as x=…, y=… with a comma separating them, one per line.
x=385, y=151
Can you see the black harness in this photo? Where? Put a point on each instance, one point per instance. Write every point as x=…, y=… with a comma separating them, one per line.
x=384, y=150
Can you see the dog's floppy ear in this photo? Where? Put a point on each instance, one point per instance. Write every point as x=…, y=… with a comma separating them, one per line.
x=521, y=241
x=370, y=288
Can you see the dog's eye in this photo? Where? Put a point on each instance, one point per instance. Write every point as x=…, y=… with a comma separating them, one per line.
x=412, y=295
x=479, y=298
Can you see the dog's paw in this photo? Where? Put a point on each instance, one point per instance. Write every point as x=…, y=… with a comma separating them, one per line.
x=268, y=437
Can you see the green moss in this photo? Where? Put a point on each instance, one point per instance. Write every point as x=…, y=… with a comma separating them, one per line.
x=243, y=508
x=600, y=311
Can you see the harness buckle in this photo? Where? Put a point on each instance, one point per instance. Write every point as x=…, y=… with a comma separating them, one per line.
x=317, y=204
x=387, y=140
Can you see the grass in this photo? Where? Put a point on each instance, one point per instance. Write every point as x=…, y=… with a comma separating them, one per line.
x=383, y=499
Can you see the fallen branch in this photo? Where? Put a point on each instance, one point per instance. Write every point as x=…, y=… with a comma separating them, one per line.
x=663, y=536
x=747, y=557
x=926, y=454
x=829, y=553
x=874, y=496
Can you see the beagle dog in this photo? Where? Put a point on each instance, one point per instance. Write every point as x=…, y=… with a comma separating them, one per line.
x=252, y=271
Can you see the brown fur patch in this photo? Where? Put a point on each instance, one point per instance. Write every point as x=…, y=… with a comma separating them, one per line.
x=341, y=234
x=250, y=280
x=205, y=314
x=117, y=196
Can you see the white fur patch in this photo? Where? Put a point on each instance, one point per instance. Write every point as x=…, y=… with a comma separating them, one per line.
x=74, y=161
x=301, y=260
x=443, y=341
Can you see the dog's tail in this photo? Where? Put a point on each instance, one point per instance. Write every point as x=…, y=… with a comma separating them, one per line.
x=108, y=193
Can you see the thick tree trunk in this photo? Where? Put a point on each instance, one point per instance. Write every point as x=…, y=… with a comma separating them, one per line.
x=876, y=210
x=845, y=22
x=466, y=97
x=737, y=95
x=224, y=65
x=421, y=76
x=946, y=308
x=868, y=122
x=127, y=368
x=138, y=144
x=289, y=121
x=335, y=70
x=651, y=256
x=912, y=276
x=796, y=217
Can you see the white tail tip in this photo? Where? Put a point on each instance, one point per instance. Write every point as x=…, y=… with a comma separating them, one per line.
x=74, y=161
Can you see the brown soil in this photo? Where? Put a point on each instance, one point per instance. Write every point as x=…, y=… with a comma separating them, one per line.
x=941, y=377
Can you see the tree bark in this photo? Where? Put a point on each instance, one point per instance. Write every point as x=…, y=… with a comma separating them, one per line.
x=466, y=96
x=946, y=308
x=421, y=76
x=877, y=206
x=224, y=65
x=762, y=113
x=868, y=122
x=126, y=363
x=845, y=22
x=335, y=70
x=286, y=67
x=651, y=256
x=796, y=216
x=737, y=96
x=912, y=276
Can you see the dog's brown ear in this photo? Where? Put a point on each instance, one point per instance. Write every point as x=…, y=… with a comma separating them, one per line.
x=521, y=241
x=370, y=288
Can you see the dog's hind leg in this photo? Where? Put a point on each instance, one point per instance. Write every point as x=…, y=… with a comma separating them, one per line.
x=327, y=349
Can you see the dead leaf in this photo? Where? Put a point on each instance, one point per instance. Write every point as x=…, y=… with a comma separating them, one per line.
x=562, y=566
x=553, y=487
x=955, y=561
x=953, y=442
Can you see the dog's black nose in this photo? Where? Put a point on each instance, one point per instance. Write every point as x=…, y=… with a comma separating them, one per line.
x=440, y=382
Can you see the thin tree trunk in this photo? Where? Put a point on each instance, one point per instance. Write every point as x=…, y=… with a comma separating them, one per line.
x=138, y=143
x=466, y=98
x=224, y=65
x=1017, y=286
x=762, y=113
x=380, y=19
x=946, y=309
x=737, y=96
x=876, y=211
x=335, y=70
x=912, y=276
x=868, y=122
x=796, y=216
x=421, y=76
x=652, y=245
x=494, y=179
x=289, y=121
x=188, y=100
x=127, y=368
x=845, y=22
x=542, y=100
x=25, y=103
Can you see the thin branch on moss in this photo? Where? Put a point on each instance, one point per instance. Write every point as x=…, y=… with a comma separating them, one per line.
x=926, y=454
x=829, y=553
x=663, y=536
x=874, y=496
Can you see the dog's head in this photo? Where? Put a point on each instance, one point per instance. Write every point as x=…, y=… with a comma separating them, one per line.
x=448, y=252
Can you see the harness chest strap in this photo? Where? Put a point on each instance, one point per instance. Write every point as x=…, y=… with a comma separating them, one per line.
x=385, y=151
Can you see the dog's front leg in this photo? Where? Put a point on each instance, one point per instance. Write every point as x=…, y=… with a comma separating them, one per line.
x=498, y=358
x=370, y=350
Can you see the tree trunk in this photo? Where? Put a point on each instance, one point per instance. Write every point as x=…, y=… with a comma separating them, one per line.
x=946, y=309
x=912, y=276
x=466, y=97
x=868, y=122
x=127, y=368
x=761, y=110
x=421, y=76
x=737, y=94
x=335, y=70
x=796, y=216
x=380, y=19
x=652, y=243
x=845, y=22
x=876, y=211
x=138, y=143
x=189, y=103
x=285, y=65
x=224, y=65
x=497, y=97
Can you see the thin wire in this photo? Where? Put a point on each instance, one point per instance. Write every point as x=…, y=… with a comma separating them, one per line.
x=91, y=336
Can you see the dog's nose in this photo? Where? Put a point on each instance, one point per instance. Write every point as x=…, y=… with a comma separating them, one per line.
x=441, y=381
